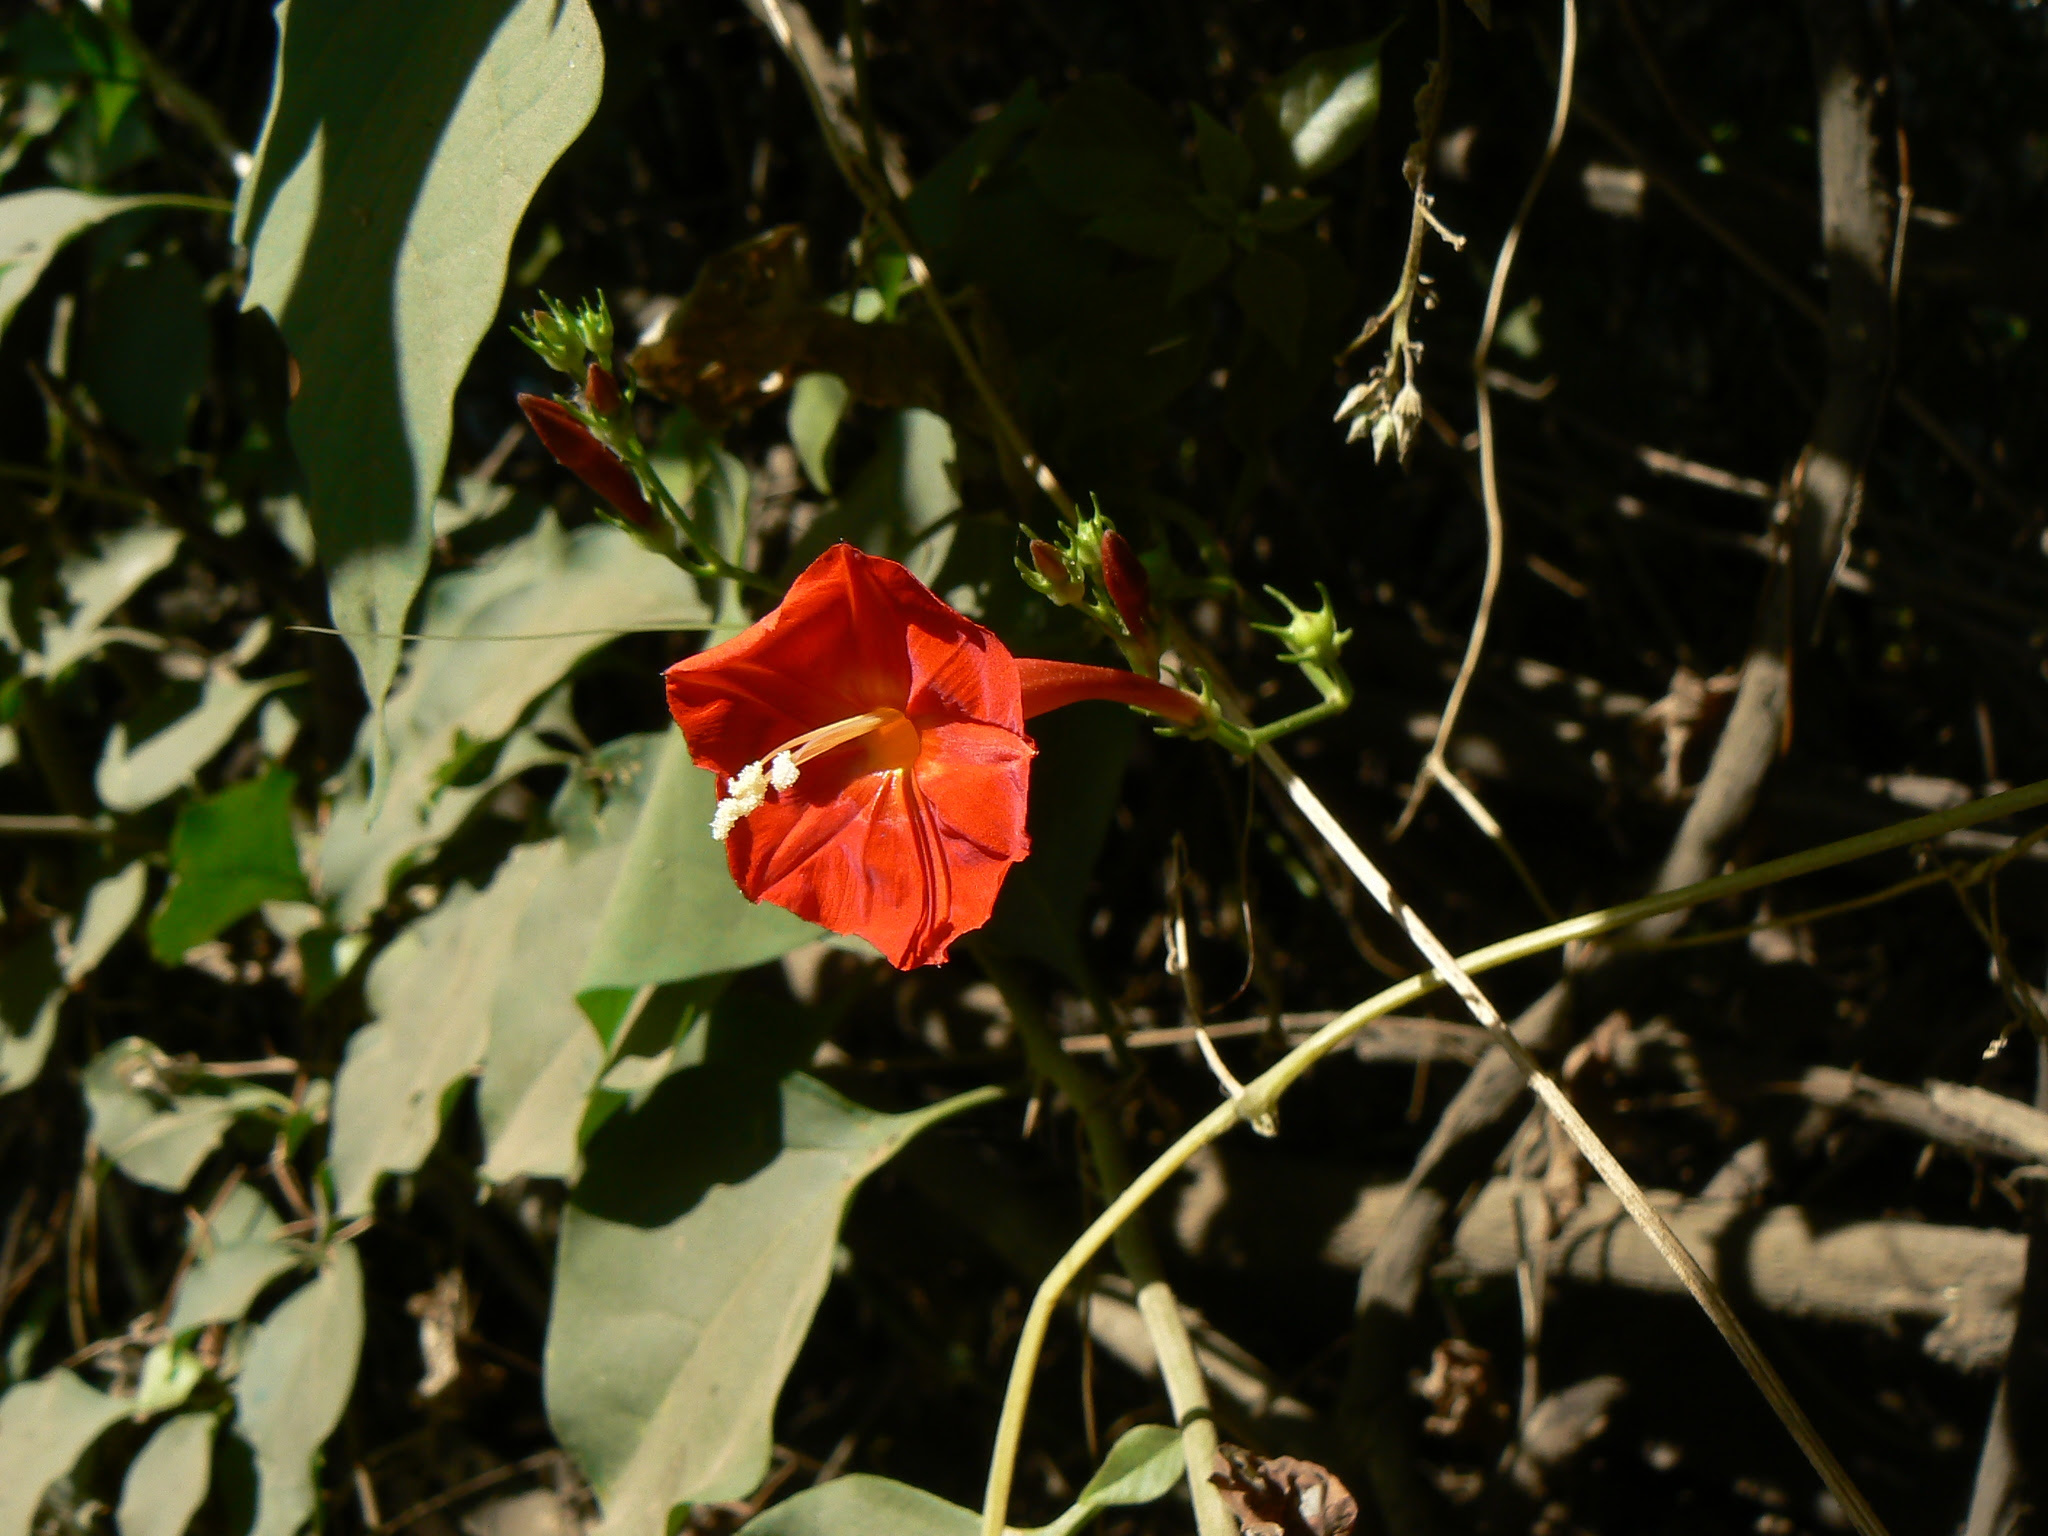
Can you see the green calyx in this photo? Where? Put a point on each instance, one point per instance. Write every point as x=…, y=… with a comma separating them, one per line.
x=1050, y=573
x=565, y=339
x=1311, y=634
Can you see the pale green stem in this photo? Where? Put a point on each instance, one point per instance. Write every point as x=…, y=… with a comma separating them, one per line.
x=1186, y=1390
x=1264, y=1092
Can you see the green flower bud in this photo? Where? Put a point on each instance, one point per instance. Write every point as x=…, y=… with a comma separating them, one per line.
x=555, y=338
x=1311, y=634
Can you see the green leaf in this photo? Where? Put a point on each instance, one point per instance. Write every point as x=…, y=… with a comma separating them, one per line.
x=32, y=994
x=544, y=1055
x=1282, y=215
x=899, y=503
x=1274, y=297
x=1200, y=262
x=693, y=1255
x=111, y=906
x=1314, y=117
x=244, y=1217
x=673, y=913
x=864, y=1505
x=297, y=1373
x=240, y=1253
x=169, y=1373
x=229, y=855
x=403, y=144
x=1225, y=163
x=933, y=207
x=97, y=584
x=816, y=407
x=429, y=994
x=224, y=1285
x=132, y=780
x=45, y=1426
x=144, y=350
x=1104, y=144
x=1155, y=227
x=516, y=625
x=34, y=226
x=156, y=1122
x=1146, y=1463
x=167, y=1482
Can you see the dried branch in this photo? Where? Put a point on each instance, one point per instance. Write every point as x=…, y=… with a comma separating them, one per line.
x=1856, y=229
x=1435, y=767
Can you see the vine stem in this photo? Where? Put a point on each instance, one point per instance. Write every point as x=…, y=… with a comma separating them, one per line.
x=1434, y=767
x=1265, y=1091
x=1187, y=1391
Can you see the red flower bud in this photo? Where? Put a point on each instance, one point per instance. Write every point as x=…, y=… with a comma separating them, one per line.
x=577, y=450
x=1052, y=567
x=1123, y=576
x=601, y=390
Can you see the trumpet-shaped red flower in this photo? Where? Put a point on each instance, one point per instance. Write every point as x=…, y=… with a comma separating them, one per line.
x=871, y=755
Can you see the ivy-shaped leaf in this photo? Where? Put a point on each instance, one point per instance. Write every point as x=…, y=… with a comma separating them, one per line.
x=429, y=996
x=297, y=1372
x=403, y=143
x=694, y=1254
x=45, y=1426
x=229, y=855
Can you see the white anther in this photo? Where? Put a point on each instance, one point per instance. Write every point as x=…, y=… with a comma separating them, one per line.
x=782, y=772
x=727, y=816
x=745, y=793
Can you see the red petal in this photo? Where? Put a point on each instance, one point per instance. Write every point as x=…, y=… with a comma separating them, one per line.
x=908, y=860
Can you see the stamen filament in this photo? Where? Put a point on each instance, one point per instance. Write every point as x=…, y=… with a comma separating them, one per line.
x=801, y=749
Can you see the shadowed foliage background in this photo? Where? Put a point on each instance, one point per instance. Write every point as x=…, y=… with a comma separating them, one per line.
x=406, y=1125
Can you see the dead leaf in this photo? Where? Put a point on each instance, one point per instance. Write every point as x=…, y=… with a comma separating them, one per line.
x=444, y=1314
x=751, y=327
x=1282, y=1495
x=1459, y=1389
x=1693, y=707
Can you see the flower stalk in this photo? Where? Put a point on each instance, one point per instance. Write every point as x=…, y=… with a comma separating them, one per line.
x=592, y=434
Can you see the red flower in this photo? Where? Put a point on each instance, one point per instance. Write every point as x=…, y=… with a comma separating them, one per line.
x=869, y=741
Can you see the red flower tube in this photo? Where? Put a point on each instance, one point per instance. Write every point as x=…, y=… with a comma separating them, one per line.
x=871, y=755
